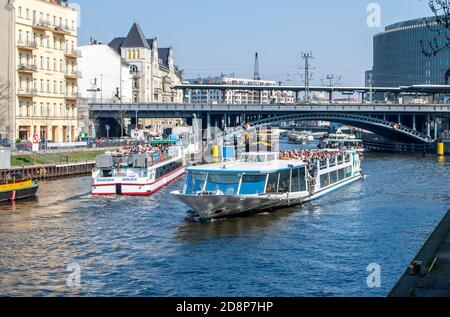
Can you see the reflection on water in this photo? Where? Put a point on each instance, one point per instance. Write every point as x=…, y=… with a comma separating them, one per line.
x=144, y=246
x=255, y=224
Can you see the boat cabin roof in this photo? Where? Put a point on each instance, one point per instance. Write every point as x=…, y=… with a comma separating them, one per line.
x=253, y=162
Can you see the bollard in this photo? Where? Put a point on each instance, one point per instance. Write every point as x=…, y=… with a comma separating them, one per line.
x=215, y=153
x=441, y=149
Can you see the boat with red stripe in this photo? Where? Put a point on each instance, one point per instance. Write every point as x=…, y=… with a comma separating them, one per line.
x=137, y=174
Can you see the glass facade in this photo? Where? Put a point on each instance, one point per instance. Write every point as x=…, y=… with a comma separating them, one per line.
x=399, y=59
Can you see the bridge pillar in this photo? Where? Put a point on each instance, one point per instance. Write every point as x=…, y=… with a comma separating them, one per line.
x=414, y=122
x=428, y=126
x=225, y=121
x=208, y=125
x=399, y=118
x=435, y=129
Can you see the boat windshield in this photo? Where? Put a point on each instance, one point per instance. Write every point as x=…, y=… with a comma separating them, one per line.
x=194, y=183
x=253, y=184
x=225, y=183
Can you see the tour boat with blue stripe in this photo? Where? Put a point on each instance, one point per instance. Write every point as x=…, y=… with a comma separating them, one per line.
x=136, y=174
x=259, y=182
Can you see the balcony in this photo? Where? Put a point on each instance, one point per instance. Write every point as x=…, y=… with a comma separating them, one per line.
x=73, y=53
x=61, y=30
x=71, y=96
x=27, y=68
x=27, y=45
x=27, y=93
x=41, y=25
x=72, y=74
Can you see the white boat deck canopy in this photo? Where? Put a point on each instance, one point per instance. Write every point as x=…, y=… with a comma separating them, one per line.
x=248, y=167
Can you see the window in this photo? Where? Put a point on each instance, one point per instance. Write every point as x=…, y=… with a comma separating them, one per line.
x=341, y=174
x=253, y=184
x=272, y=184
x=333, y=177
x=324, y=180
x=194, y=183
x=225, y=183
x=298, y=180
x=284, y=184
x=323, y=164
x=348, y=172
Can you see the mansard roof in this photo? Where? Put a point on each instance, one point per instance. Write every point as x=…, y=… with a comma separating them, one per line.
x=163, y=54
x=151, y=42
x=116, y=44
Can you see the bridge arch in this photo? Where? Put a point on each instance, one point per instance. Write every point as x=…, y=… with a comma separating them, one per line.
x=378, y=126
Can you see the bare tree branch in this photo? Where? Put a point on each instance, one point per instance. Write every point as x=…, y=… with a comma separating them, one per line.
x=120, y=117
x=439, y=26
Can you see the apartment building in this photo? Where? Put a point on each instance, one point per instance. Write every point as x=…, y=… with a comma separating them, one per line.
x=39, y=70
x=236, y=96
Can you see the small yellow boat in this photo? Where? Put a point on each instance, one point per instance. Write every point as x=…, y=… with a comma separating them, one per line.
x=17, y=189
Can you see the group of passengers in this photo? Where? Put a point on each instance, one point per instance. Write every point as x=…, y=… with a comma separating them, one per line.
x=137, y=149
x=309, y=155
x=143, y=149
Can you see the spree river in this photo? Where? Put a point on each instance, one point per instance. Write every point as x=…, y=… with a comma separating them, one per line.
x=132, y=246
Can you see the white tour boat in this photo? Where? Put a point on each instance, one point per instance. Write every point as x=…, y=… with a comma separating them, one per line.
x=136, y=174
x=262, y=181
x=302, y=137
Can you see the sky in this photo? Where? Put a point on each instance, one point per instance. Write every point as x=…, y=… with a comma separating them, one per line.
x=210, y=37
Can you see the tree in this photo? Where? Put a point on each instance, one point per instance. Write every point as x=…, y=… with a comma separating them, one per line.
x=5, y=124
x=120, y=117
x=93, y=118
x=439, y=25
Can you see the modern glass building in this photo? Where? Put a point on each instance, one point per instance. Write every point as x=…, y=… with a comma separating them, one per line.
x=399, y=60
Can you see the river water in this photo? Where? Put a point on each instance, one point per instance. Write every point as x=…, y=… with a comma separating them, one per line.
x=128, y=246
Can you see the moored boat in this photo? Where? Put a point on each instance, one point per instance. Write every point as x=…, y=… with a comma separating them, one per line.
x=262, y=181
x=136, y=174
x=302, y=137
x=16, y=189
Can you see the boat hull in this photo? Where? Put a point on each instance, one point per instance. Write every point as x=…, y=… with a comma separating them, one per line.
x=118, y=186
x=18, y=194
x=211, y=207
